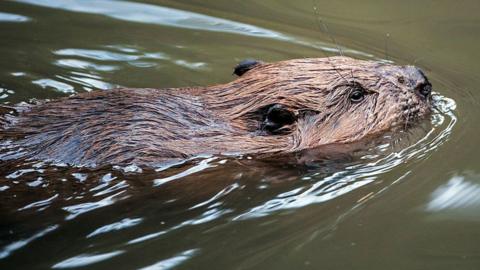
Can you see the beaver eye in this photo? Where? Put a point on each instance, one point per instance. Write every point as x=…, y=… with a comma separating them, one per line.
x=357, y=95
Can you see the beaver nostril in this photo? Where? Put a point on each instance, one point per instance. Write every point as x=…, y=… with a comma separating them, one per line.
x=424, y=89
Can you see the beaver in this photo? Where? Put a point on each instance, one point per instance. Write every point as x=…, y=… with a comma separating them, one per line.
x=280, y=107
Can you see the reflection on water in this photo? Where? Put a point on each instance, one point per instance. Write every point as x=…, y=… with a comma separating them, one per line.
x=82, y=208
x=4, y=93
x=144, y=13
x=124, y=223
x=7, y=250
x=59, y=86
x=172, y=262
x=87, y=66
x=204, y=164
x=80, y=64
x=86, y=259
x=7, y=17
x=454, y=195
x=108, y=56
x=41, y=205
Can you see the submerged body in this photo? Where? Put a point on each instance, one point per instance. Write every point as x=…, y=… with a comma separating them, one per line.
x=277, y=107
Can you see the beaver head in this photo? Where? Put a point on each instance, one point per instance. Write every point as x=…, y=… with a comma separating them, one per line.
x=306, y=103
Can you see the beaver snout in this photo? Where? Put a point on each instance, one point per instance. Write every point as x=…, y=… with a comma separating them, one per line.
x=417, y=81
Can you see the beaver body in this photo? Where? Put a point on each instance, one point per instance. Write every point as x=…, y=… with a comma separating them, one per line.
x=277, y=107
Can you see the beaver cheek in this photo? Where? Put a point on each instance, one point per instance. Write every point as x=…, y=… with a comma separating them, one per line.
x=309, y=133
x=345, y=130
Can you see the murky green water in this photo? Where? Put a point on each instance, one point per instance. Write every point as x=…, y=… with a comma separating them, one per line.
x=414, y=206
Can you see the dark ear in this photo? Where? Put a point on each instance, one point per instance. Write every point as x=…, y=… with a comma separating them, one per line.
x=276, y=119
x=245, y=66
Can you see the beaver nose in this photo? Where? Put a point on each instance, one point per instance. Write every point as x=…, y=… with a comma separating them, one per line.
x=418, y=81
x=424, y=89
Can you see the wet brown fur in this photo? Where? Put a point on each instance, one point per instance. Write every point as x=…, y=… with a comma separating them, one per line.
x=150, y=126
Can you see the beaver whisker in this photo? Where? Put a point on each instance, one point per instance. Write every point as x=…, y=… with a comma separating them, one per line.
x=387, y=37
x=417, y=59
x=408, y=116
x=319, y=23
x=332, y=38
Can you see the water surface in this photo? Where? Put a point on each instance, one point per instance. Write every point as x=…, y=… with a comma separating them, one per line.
x=411, y=205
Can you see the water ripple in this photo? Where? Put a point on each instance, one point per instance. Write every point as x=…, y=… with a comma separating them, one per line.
x=4, y=93
x=122, y=224
x=153, y=14
x=54, y=84
x=80, y=64
x=78, y=209
x=86, y=259
x=100, y=55
x=39, y=204
x=7, y=250
x=458, y=193
x=172, y=262
x=202, y=165
x=8, y=17
x=363, y=173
